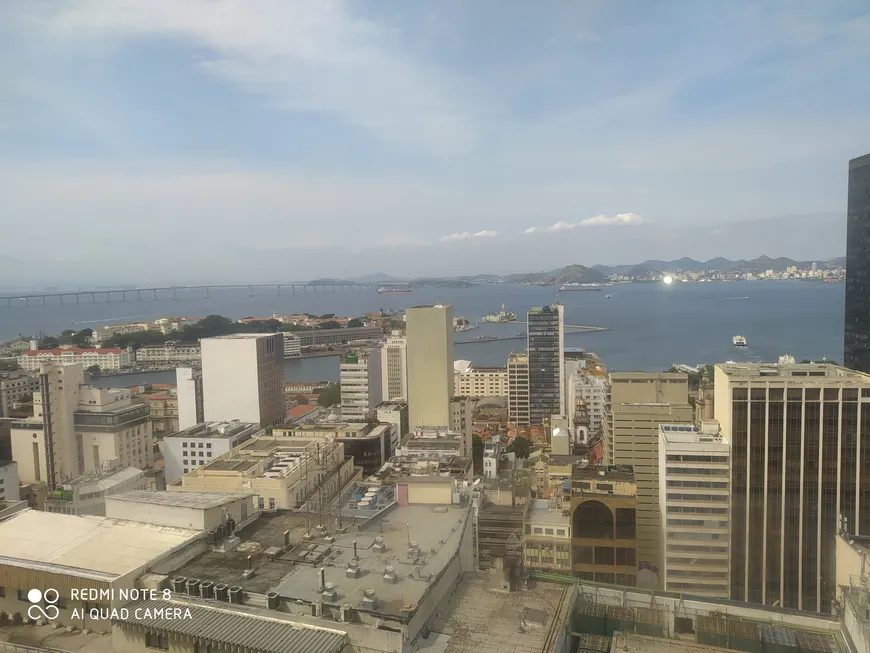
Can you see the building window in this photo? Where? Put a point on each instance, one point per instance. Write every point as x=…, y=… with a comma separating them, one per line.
x=154, y=640
x=202, y=647
x=208, y=445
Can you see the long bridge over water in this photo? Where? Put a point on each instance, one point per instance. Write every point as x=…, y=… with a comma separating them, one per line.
x=109, y=296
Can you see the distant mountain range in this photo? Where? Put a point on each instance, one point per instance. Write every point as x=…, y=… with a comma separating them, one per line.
x=599, y=273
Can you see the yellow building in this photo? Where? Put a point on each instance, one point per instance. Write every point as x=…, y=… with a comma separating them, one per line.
x=547, y=542
x=430, y=364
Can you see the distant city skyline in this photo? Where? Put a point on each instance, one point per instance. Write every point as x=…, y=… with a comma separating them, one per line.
x=217, y=140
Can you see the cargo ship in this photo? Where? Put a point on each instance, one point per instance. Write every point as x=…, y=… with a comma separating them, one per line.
x=394, y=290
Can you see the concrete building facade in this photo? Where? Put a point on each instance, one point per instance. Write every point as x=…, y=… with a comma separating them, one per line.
x=394, y=367
x=193, y=447
x=800, y=458
x=695, y=502
x=188, y=388
x=430, y=364
x=470, y=381
x=110, y=426
x=9, y=481
x=106, y=358
x=518, y=389
x=14, y=386
x=170, y=353
x=361, y=384
x=243, y=378
x=639, y=403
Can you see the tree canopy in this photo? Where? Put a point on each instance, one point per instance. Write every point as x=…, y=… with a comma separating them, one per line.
x=355, y=322
x=521, y=446
x=329, y=395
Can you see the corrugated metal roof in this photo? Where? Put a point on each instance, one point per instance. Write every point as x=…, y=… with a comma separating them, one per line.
x=233, y=627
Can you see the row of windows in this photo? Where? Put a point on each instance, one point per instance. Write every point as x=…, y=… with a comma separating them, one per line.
x=696, y=471
x=698, y=510
x=604, y=555
x=712, y=485
x=683, y=573
x=697, y=459
x=694, y=548
x=629, y=580
x=193, y=445
x=676, y=496
x=696, y=561
x=798, y=394
x=698, y=522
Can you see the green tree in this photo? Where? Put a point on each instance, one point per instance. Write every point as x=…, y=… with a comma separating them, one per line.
x=301, y=400
x=397, y=325
x=327, y=316
x=67, y=335
x=521, y=446
x=9, y=366
x=49, y=342
x=82, y=338
x=93, y=371
x=477, y=453
x=135, y=340
x=355, y=322
x=332, y=324
x=329, y=395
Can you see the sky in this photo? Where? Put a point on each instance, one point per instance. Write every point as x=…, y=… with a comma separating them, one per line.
x=182, y=141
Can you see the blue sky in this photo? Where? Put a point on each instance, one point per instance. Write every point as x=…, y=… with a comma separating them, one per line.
x=211, y=140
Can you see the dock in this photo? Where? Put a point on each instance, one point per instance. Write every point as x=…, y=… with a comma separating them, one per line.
x=578, y=327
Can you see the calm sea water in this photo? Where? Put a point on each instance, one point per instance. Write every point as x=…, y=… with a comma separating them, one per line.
x=651, y=325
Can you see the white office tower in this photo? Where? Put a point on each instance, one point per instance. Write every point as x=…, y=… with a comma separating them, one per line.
x=695, y=502
x=188, y=383
x=243, y=378
x=394, y=367
x=360, y=378
x=430, y=365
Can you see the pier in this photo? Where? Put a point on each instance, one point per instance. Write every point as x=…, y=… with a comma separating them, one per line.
x=121, y=295
x=578, y=327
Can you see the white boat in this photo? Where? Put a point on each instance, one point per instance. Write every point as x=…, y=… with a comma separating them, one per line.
x=607, y=297
x=786, y=360
x=739, y=341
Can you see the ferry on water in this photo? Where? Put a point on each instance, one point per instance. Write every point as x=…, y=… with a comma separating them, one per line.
x=580, y=287
x=394, y=290
x=739, y=341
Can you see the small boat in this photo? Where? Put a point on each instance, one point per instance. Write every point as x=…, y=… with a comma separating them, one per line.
x=579, y=287
x=394, y=290
x=606, y=296
x=739, y=341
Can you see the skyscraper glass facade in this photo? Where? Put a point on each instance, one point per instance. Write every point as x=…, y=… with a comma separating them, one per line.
x=856, y=345
x=546, y=362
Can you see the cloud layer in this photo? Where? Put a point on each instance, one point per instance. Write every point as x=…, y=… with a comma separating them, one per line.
x=467, y=235
x=598, y=220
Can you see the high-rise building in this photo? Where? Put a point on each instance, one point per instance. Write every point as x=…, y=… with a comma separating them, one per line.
x=695, y=503
x=111, y=428
x=44, y=446
x=190, y=403
x=243, y=378
x=639, y=403
x=360, y=378
x=800, y=456
x=546, y=344
x=14, y=386
x=518, y=389
x=430, y=364
x=394, y=367
x=856, y=349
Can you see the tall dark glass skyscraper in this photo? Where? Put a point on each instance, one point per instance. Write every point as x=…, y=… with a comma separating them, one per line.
x=856, y=345
x=546, y=362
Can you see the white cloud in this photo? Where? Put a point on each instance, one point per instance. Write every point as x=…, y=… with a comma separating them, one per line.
x=467, y=235
x=619, y=218
x=303, y=56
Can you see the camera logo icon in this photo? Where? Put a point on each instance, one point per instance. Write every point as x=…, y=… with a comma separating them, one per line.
x=50, y=611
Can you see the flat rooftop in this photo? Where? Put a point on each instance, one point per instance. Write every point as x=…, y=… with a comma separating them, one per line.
x=604, y=472
x=202, y=500
x=295, y=574
x=104, y=548
x=57, y=639
x=242, y=336
x=217, y=430
x=476, y=618
x=541, y=514
x=797, y=371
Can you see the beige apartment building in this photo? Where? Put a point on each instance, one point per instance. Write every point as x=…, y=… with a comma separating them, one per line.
x=430, y=364
x=470, y=381
x=639, y=404
x=518, y=389
x=14, y=386
x=284, y=473
x=394, y=367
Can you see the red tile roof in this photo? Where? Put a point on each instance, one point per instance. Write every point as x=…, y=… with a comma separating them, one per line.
x=75, y=350
x=299, y=411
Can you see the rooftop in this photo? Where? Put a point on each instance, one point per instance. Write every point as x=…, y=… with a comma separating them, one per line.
x=220, y=430
x=203, y=500
x=103, y=548
x=295, y=574
x=707, y=433
x=475, y=618
x=797, y=371
x=72, y=351
x=605, y=472
x=237, y=628
x=541, y=514
x=242, y=336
